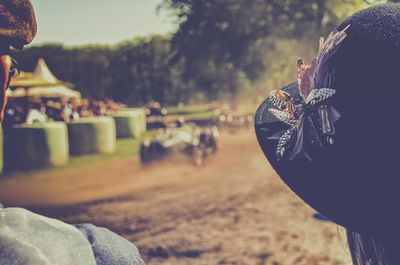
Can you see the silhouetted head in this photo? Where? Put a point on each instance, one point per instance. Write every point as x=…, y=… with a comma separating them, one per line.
x=352, y=175
x=17, y=28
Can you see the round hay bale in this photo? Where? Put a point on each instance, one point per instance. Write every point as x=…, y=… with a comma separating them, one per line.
x=36, y=146
x=142, y=117
x=129, y=124
x=92, y=135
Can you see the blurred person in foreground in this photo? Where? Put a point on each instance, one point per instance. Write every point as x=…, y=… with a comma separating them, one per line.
x=27, y=238
x=333, y=135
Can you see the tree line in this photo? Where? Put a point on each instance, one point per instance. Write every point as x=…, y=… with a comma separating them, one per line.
x=222, y=49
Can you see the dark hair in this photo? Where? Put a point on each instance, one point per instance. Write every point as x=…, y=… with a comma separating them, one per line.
x=369, y=250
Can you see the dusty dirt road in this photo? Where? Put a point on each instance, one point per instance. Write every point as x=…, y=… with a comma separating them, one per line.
x=233, y=210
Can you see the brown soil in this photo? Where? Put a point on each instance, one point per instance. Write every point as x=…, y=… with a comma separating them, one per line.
x=232, y=210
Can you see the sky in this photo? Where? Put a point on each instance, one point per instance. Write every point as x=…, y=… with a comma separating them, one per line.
x=79, y=22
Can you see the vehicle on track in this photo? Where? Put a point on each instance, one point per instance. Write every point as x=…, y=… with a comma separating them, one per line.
x=195, y=142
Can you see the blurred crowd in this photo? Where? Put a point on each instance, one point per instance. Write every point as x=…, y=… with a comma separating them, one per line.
x=29, y=111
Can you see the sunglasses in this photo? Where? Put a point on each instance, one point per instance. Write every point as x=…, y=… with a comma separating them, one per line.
x=14, y=69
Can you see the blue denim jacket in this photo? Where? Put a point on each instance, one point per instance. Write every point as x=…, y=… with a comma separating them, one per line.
x=110, y=248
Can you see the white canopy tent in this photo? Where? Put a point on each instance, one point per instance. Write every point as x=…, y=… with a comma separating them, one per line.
x=56, y=91
x=44, y=72
x=41, y=83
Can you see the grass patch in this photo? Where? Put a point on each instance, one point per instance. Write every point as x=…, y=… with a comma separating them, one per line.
x=124, y=147
x=203, y=115
x=193, y=112
x=190, y=110
x=201, y=112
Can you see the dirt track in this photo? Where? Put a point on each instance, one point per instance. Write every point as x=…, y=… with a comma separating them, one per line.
x=233, y=210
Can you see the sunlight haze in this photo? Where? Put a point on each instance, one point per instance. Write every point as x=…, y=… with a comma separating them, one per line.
x=77, y=22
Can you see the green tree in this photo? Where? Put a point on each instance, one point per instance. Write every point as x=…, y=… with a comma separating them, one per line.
x=220, y=49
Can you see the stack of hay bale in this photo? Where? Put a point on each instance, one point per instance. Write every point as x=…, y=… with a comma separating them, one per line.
x=50, y=144
x=36, y=146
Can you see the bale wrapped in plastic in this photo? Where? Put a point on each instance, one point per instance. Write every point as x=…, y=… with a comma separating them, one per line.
x=92, y=135
x=142, y=116
x=36, y=146
x=129, y=123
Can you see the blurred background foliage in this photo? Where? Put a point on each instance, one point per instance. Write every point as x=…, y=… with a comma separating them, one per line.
x=221, y=50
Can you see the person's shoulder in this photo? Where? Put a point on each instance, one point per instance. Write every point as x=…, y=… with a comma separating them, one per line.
x=110, y=248
x=15, y=216
x=29, y=238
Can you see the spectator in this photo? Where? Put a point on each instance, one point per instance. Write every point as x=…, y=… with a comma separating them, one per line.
x=28, y=238
x=37, y=114
x=84, y=109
